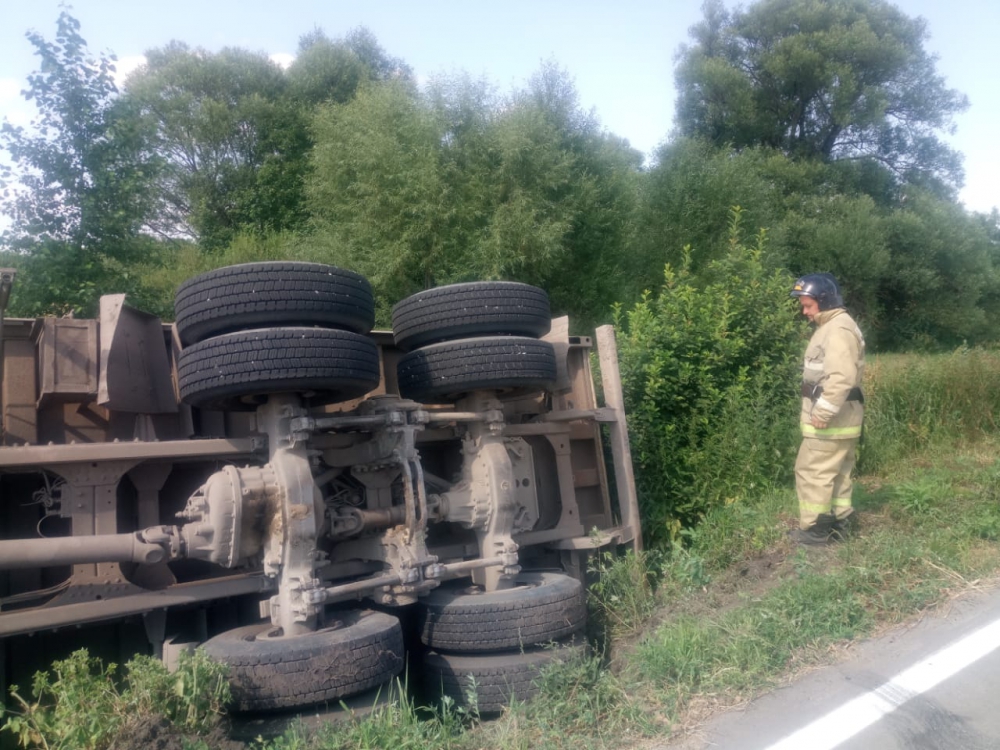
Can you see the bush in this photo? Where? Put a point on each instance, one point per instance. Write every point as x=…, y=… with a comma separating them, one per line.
x=710, y=368
x=80, y=704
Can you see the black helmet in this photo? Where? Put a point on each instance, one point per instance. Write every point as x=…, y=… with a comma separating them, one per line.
x=822, y=287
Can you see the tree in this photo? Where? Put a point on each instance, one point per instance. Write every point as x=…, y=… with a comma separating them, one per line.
x=824, y=79
x=842, y=234
x=377, y=198
x=602, y=196
x=416, y=190
x=687, y=195
x=233, y=128
x=917, y=270
x=941, y=283
x=233, y=141
x=327, y=70
x=81, y=173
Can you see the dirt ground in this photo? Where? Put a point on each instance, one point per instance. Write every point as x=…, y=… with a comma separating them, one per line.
x=156, y=733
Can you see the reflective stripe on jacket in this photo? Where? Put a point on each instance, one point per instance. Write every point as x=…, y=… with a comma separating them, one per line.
x=835, y=363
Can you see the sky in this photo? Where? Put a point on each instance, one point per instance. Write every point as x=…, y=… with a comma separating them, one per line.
x=620, y=54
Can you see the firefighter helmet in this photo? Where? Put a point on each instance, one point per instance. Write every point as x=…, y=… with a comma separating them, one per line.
x=822, y=287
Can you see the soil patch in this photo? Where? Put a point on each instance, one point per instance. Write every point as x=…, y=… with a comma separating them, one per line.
x=156, y=733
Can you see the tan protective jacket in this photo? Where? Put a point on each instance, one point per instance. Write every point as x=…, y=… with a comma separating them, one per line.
x=835, y=363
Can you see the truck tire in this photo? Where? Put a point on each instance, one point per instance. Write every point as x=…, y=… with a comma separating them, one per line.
x=280, y=293
x=452, y=368
x=478, y=308
x=539, y=609
x=362, y=650
x=238, y=370
x=489, y=682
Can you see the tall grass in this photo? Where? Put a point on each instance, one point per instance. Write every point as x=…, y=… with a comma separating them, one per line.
x=914, y=401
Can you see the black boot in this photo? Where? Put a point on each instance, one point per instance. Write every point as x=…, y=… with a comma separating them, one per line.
x=842, y=528
x=812, y=536
x=821, y=532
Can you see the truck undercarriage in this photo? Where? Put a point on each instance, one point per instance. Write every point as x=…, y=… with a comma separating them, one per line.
x=271, y=480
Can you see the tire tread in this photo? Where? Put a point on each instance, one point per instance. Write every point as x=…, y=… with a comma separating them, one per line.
x=256, y=295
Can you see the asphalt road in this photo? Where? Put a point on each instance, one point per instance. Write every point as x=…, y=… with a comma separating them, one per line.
x=933, y=685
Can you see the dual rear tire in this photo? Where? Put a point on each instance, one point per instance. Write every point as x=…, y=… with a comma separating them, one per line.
x=256, y=329
x=475, y=336
x=489, y=648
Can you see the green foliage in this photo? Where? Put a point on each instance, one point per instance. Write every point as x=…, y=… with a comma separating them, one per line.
x=709, y=371
x=689, y=192
x=914, y=402
x=232, y=139
x=623, y=592
x=930, y=528
x=832, y=79
x=746, y=647
x=843, y=233
x=192, y=697
x=79, y=704
x=377, y=198
x=581, y=698
x=56, y=278
x=73, y=707
x=941, y=277
x=419, y=190
x=332, y=70
x=347, y=161
x=917, y=271
x=82, y=176
x=727, y=535
x=161, y=273
x=398, y=723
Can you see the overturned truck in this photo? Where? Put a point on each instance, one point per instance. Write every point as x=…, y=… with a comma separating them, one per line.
x=310, y=501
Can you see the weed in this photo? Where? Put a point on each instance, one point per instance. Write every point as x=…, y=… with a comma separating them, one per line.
x=737, y=530
x=920, y=497
x=193, y=697
x=581, y=704
x=398, y=723
x=688, y=569
x=623, y=593
x=916, y=402
x=74, y=707
x=79, y=705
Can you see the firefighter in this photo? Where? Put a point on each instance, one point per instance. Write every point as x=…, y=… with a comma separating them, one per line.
x=832, y=412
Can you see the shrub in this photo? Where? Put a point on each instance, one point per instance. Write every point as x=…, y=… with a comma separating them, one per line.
x=710, y=368
x=80, y=704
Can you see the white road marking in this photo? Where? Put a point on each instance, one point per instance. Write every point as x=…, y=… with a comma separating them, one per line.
x=842, y=723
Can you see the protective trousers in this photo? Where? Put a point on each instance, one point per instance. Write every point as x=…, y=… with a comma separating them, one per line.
x=823, y=479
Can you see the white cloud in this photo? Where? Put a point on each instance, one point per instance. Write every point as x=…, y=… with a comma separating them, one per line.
x=282, y=58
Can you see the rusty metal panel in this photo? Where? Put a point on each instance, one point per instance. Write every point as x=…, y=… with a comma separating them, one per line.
x=67, y=360
x=611, y=378
x=19, y=396
x=73, y=422
x=135, y=374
